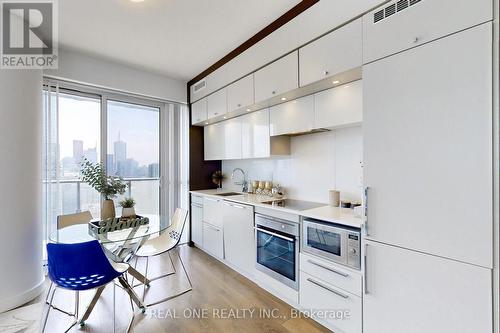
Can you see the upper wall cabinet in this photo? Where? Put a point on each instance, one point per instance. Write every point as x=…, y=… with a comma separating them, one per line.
x=199, y=112
x=240, y=94
x=401, y=25
x=217, y=103
x=255, y=139
x=334, y=53
x=277, y=78
x=339, y=106
x=293, y=117
x=223, y=140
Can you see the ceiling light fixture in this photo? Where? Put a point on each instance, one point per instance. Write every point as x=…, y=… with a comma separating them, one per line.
x=336, y=82
x=248, y=110
x=283, y=98
x=136, y=0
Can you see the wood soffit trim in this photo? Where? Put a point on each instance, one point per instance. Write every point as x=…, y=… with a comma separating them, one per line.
x=275, y=25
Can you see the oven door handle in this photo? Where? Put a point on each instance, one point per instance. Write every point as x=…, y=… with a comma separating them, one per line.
x=275, y=234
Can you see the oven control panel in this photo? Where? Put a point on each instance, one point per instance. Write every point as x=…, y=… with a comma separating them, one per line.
x=353, y=250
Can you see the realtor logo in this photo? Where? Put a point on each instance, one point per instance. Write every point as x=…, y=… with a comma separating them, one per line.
x=29, y=34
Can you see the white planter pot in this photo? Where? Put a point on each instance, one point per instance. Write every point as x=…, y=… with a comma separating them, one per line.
x=127, y=212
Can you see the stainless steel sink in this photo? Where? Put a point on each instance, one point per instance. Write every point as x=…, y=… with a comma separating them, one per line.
x=229, y=194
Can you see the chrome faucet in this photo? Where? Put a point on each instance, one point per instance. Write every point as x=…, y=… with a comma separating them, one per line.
x=244, y=182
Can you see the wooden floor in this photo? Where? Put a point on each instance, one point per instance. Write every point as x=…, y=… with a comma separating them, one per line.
x=218, y=295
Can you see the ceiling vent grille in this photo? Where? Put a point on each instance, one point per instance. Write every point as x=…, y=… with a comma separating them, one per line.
x=393, y=9
x=199, y=86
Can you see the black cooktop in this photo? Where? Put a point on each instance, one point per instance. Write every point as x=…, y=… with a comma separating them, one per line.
x=294, y=204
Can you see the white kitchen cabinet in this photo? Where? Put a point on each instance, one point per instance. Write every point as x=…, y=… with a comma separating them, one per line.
x=292, y=117
x=337, y=52
x=239, y=244
x=213, y=240
x=401, y=25
x=240, y=94
x=340, y=106
x=427, y=128
x=412, y=292
x=214, y=141
x=197, y=224
x=232, y=140
x=212, y=211
x=345, y=314
x=217, y=104
x=277, y=78
x=255, y=139
x=199, y=112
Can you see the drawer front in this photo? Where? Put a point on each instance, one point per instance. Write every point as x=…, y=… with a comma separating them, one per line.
x=197, y=224
x=400, y=25
x=331, y=273
x=341, y=311
x=213, y=240
x=212, y=211
x=197, y=199
x=337, y=52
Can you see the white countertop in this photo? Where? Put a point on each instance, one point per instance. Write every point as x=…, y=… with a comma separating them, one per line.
x=326, y=213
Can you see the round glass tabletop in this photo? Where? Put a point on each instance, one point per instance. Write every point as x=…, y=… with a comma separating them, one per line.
x=79, y=233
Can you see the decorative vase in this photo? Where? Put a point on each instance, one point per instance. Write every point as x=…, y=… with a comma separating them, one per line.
x=128, y=212
x=108, y=210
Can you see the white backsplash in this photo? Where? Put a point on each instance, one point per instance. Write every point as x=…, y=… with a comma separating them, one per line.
x=318, y=163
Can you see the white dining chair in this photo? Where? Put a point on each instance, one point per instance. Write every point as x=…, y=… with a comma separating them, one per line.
x=165, y=243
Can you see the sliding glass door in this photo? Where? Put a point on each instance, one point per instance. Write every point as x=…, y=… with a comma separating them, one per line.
x=133, y=151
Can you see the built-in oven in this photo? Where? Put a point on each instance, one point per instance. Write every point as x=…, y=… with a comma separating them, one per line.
x=335, y=242
x=277, y=247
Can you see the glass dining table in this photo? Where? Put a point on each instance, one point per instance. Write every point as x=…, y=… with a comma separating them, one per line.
x=120, y=246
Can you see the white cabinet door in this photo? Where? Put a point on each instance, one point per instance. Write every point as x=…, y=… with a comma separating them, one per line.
x=199, y=112
x=217, y=103
x=292, y=117
x=255, y=139
x=197, y=224
x=337, y=52
x=240, y=94
x=212, y=211
x=427, y=128
x=316, y=294
x=340, y=106
x=239, y=244
x=412, y=292
x=277, y=78
x=232, y=139
x=214, y=142
x=213, y=240
x=399, y=26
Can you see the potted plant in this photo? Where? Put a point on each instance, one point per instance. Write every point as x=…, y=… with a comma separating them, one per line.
x=127, y=205
x=217, y=178
x=108, y=186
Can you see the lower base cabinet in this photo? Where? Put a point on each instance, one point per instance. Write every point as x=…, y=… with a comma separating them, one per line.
x=213, y=240
x=239, y=240
x=197, y=224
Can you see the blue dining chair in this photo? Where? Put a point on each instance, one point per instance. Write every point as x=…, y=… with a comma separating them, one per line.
x=83, y=266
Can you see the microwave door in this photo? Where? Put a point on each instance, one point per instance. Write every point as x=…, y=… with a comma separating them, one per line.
x=325, y=241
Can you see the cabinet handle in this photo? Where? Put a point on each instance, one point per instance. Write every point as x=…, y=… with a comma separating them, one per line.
x=326, y=73
x=319, y=284
x=239, y=105
x=366, y=210
x=328, y=268
x=416, y=39
x=274, y=92
x=212, y=227
x=216, y=113
x=275, y=234
x=365, y=275
x=213, y=200
x=237, y=206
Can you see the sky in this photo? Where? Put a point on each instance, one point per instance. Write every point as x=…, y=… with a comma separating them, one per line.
x=79, y=119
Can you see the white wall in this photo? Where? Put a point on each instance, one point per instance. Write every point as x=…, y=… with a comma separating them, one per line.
x=84, y=68
x=21, y=278
x=318, y=162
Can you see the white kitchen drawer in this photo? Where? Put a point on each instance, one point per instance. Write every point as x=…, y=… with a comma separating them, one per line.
x=240, y=94
x=292, y=117
x=334, y=274
x=197, y=224
x=198, y=199
x=199, y=112
x=213, y=240
x=316, y=294
x=337, y=52
x=212, y=211
x=418, y=22
x=340, y=106
x=217, y=104
x=277, y=78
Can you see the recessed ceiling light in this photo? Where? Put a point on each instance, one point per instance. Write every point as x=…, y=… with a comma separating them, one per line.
x=206, y=123
x=336, y=82
x=283, y=98
x=225, y=117
x=136, y=0
x=248, y=110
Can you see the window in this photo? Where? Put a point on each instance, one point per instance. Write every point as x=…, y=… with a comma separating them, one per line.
x=136, y=138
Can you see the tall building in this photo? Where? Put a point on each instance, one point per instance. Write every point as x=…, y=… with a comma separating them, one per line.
x=110, y=164
x=91, y=154
x=120, y=150
x=77, y=150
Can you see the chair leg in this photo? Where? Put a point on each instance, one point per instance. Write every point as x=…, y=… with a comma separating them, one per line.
x=49, y=306
x=161, y=276
x=77, y=303
x=181, y=293
x=132, y=294
x=53, y=306
x=90, y=307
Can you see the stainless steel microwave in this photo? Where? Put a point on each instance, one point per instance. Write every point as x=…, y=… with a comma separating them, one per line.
x=334, y=242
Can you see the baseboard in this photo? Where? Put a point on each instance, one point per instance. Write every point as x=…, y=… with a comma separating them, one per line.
x=23, y=298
